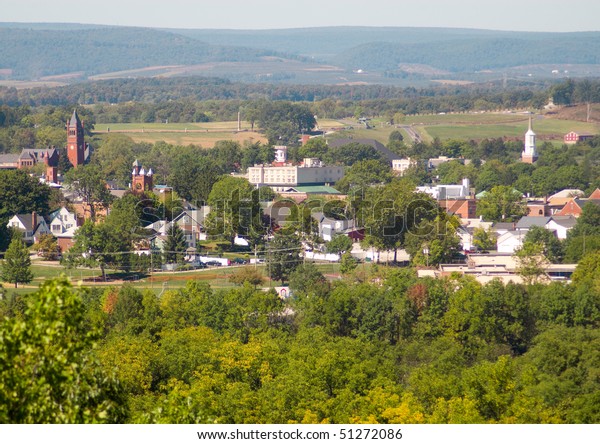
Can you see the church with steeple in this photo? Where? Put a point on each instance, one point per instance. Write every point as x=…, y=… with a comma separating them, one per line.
x=141, y=180
x=529, y=154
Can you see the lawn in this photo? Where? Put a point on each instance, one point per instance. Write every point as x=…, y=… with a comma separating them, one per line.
x=205, y=134
x=216, y=277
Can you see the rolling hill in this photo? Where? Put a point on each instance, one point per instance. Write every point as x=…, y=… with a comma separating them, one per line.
x=310, y=55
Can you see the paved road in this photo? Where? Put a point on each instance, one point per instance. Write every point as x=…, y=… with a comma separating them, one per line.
x=411, y=133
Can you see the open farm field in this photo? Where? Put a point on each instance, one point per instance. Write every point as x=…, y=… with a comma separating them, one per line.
x=545, y=128
x=205, y=134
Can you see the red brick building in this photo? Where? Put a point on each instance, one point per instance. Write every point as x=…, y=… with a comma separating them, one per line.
x=463, y=208
x=574, y=137
x=141, y=180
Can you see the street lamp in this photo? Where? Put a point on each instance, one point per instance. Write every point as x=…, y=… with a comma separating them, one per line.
x=426, y=253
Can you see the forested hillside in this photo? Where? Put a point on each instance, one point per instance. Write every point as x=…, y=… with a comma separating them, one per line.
x=84, y=50
x=474, y=54
x=94, y=51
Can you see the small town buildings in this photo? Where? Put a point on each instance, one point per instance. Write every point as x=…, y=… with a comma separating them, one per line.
x=284, y=177
x=574, y=207
x=435, y=162
x=190, y=221
x=31, y=225
x=561, y=225
x=448, y=192
x=502, y=266
x=575, y=136
x=464, y=208
x=329, y=227
x=400, y=166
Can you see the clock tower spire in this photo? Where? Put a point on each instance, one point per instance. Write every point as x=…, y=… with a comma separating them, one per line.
x=75, y=141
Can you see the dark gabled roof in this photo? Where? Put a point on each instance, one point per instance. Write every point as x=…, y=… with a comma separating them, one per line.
x=582, y=202
x=26, y=221
x=9, y=158
x=527, y=222
x=565, y=221
x=379, y=147
x=37, y=153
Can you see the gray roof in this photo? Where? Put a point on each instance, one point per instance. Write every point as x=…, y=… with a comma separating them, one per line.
x=74, y=119
x=527, y=222
x=26, y=220
x=379, y=147
x=565, y=221
x=9, y=158
x=504, y=226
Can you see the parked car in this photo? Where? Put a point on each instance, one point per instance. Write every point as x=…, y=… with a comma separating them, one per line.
x=239, y=261
x=213, y=263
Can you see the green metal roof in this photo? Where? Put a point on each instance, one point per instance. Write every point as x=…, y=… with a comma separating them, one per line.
x=316, y=189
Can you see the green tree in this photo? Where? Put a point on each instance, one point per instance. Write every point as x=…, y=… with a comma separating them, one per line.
x=114, y=155
x=391, y=212
x=307, y=278
x=47, y=371
x=246, y=274
x=532, y=262
x=97, y=245
x=483, y=239
x=175, y=245
x=348, y=263
x=339, y=244
x=235, y=209
x=283, y=256
x=502, y=203
x=16, y=267
x=552, y=247
x=88, y=183
x=21, y=193
x=365, y=173
x=47, y=247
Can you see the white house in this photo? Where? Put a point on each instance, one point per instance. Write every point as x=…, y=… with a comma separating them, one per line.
x=329, y=227
x=191, y=223
x=32, y=226
x=61, y=221
x=510, y=241
x=561, y=225
x=399, y=166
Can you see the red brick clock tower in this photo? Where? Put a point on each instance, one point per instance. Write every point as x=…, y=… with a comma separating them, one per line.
x=75, y=142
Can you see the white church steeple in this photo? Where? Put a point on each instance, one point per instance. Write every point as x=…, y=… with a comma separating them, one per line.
x=529, y=154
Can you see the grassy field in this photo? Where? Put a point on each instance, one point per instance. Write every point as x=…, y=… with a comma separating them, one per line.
x=545, y=128
x=466, y=126
x=471, y=126
x=217, y=277
x=203, y=134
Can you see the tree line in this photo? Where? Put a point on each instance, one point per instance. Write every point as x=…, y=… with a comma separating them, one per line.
x=378, y=346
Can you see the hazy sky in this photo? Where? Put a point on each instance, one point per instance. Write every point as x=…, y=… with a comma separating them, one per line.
x=520, y=15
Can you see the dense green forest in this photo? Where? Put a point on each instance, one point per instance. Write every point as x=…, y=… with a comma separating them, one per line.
x=409, y=100
x=375, y=347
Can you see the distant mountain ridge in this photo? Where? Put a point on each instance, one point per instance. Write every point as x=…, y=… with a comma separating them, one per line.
x=35, y=53
x=38, y=50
